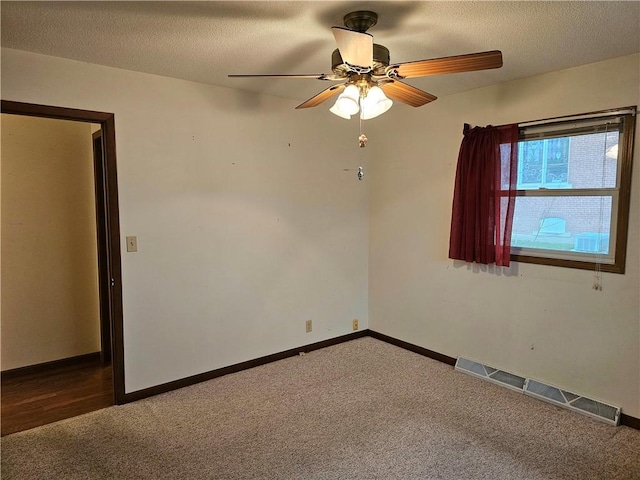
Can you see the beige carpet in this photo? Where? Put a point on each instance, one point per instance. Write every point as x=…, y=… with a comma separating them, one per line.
x=358, y=410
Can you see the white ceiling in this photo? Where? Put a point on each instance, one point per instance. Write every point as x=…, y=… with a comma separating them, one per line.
x=205, y=41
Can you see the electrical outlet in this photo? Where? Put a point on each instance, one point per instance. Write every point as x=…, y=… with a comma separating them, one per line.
x=309, y=326
x=355, y=323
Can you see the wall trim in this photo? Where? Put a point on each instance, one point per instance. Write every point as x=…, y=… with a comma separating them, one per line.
x=629, y=421
x=52, y=365
x=626, y=420
x=414, y=348
x=192, y=380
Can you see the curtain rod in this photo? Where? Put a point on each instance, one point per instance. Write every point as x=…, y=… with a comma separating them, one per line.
x=605, y=113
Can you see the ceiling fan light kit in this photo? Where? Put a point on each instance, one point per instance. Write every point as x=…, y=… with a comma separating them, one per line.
x=374, y=104
x=369, y=101
x=347, y=103
x=337, y=111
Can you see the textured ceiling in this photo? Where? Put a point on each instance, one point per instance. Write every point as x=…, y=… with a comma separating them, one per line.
x=205, y=41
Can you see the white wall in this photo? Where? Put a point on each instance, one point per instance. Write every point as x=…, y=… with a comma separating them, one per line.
x=543, y=322
x=50, y=307
x=247, y=224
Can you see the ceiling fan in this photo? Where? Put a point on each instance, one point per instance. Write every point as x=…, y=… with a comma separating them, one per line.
x=368, y=76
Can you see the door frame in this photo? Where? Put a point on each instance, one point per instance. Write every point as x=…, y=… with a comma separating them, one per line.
x=104, y=280
x=107, y=201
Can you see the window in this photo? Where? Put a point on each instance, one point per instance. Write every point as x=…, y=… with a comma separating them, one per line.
x=573, y=191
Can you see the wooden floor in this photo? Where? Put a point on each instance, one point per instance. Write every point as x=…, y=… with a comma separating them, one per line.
x=34, y=399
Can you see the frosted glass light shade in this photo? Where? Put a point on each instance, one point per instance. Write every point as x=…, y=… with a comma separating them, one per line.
x=336, y=111
x=347, y=102
x=374, y=104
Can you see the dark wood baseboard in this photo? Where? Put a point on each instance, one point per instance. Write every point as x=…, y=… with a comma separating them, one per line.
x=185, y=382
x=413, y=348
x=629, y=421
x=53, y=365
x=626, y=420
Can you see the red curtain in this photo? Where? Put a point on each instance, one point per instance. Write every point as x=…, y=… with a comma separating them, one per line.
x=484, y=196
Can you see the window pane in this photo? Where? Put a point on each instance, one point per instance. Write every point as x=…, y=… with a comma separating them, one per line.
x=530, y=162
x=563, y=223
x=593, y=160
x=580, y=161
x=557, y=165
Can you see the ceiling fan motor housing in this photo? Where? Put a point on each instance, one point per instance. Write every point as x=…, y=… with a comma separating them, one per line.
x=380, y=61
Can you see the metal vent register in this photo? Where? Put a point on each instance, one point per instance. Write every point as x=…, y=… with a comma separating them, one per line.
x=557, y=396
x=572, y=401
x=494, y=375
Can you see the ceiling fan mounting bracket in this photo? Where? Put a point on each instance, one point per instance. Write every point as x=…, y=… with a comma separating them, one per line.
x=392, y=72
x=360, y=21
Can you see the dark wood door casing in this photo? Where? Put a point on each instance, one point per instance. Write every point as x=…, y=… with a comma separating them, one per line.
x=103, y=248
x=108, y=230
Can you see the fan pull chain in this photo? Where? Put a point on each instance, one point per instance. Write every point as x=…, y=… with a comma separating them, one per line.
x=362, y=139
x=362, y=142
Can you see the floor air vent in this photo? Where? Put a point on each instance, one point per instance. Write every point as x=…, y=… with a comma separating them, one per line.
x=577, y=403
x=500, y=377
x=548, y=393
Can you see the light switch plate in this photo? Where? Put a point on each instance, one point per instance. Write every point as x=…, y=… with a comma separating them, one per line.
x=132, y=244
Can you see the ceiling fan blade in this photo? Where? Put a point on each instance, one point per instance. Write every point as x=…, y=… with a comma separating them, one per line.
x=455, y=64
x=356, y=48
x=312, y=76
x=404, y=93
x=322, y=96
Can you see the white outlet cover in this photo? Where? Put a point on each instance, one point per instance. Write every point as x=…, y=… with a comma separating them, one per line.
x=132, y=244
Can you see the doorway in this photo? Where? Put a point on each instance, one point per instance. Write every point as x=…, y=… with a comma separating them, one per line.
x=107, y=371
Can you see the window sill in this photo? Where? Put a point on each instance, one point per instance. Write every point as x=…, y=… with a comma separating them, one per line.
x=617, y=267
